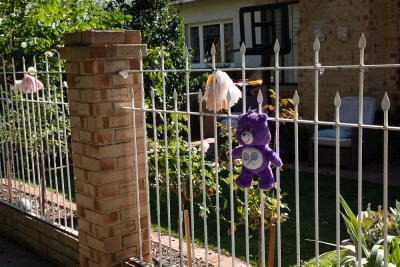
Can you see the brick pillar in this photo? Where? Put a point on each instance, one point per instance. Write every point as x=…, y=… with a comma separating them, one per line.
x=102, y=145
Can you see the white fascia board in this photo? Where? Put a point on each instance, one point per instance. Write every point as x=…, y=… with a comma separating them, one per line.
x=178, y=2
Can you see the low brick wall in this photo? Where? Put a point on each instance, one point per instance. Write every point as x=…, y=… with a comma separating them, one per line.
x=44, y=239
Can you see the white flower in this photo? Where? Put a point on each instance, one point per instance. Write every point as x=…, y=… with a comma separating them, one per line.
x=31, y=70
x=48, y=54
x=24, y=45
x=65, y=84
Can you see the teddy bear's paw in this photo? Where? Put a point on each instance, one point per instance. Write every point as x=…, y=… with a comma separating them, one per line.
x=243, y=181
x=266, y=184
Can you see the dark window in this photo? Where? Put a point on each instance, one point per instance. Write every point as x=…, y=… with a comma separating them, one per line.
x=195, y=44
x=261, y=25
x=211, y=35
x=201, y=37
x=228, y=42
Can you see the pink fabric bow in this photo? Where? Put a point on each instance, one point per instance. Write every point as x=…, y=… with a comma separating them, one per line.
x=28, y=84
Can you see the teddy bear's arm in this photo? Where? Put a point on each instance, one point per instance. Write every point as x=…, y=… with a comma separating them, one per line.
x=273, y=157
x=276, y=160
x=237, y=152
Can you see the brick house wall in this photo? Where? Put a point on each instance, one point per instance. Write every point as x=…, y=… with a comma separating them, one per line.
x=380, y=22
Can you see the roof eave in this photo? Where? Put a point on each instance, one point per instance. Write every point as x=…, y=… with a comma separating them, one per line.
x=179, y=2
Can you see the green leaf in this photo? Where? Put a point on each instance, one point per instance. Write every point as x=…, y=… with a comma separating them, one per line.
x=352, y=226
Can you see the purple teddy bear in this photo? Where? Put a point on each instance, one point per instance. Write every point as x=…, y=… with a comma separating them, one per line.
x=253, y=135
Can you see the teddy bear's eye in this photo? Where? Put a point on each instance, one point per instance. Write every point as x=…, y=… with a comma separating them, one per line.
x=251, y=130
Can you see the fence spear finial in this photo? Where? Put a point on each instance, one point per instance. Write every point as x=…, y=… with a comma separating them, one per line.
x=385, y=104
x=228, y=97
x=362, y=42
x=162, y=54
x=260, y=97
x=175, y=96
x=277, y=47
x=337, y=101
x=200, y=96
x=140, y=55
x=296, y=99
x=187, y=54
x=242, y=49
x=213, y=50
x=316, y=44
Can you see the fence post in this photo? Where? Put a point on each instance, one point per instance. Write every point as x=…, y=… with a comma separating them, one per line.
x=102, y=145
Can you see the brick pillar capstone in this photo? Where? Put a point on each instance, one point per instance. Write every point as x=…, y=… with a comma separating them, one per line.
x=102, y=145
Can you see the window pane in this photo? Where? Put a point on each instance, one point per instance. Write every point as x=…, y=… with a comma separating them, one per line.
x=228, y=40
x=211, y=35
x=291, y=76
x=247, y=29
x=195, y=44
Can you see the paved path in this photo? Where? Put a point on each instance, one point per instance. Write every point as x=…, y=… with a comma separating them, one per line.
x=225, y=261
x=13, y=255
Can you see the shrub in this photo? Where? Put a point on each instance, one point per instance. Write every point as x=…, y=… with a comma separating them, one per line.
x=371, y=237
x=31, y=27
x=372, y=223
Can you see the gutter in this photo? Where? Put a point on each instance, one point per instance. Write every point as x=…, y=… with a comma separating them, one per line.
x=180, y=2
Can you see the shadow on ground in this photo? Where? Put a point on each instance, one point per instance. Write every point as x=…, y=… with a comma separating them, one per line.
x=13, y=255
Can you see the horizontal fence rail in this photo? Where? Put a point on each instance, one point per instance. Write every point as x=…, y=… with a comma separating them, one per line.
x=35, y=171
x=184, y=176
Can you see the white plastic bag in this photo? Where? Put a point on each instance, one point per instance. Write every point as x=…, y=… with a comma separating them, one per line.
x=223, y=85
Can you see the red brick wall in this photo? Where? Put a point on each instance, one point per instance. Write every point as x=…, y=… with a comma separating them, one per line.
x=102, y=145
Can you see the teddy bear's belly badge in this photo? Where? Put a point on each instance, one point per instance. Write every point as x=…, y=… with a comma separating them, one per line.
x=252, y=158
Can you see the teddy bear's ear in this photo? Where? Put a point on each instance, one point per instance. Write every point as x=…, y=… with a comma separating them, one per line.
x=263, y=116
x=251, y=111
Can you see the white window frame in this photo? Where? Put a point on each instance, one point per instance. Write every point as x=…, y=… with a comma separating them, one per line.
x=221, y=23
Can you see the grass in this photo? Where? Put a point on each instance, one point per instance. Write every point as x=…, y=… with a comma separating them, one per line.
x=325, y=260
x=372, y=193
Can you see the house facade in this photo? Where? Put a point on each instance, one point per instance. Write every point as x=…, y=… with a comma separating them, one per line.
x=337, y=23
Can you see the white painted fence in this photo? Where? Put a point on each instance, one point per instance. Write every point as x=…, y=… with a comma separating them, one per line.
x=35, y=168
x=153, y=111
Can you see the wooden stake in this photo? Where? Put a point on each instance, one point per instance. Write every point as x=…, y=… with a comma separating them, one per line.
x=42, y=186
x=9, y=180
x=187, y=234
x=271, y=245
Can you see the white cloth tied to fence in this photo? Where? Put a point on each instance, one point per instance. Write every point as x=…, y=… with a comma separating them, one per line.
x=218, y=86
x=28, y=84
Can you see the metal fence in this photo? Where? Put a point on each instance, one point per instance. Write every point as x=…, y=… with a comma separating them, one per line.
x=36, y=176
x=179, y=174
